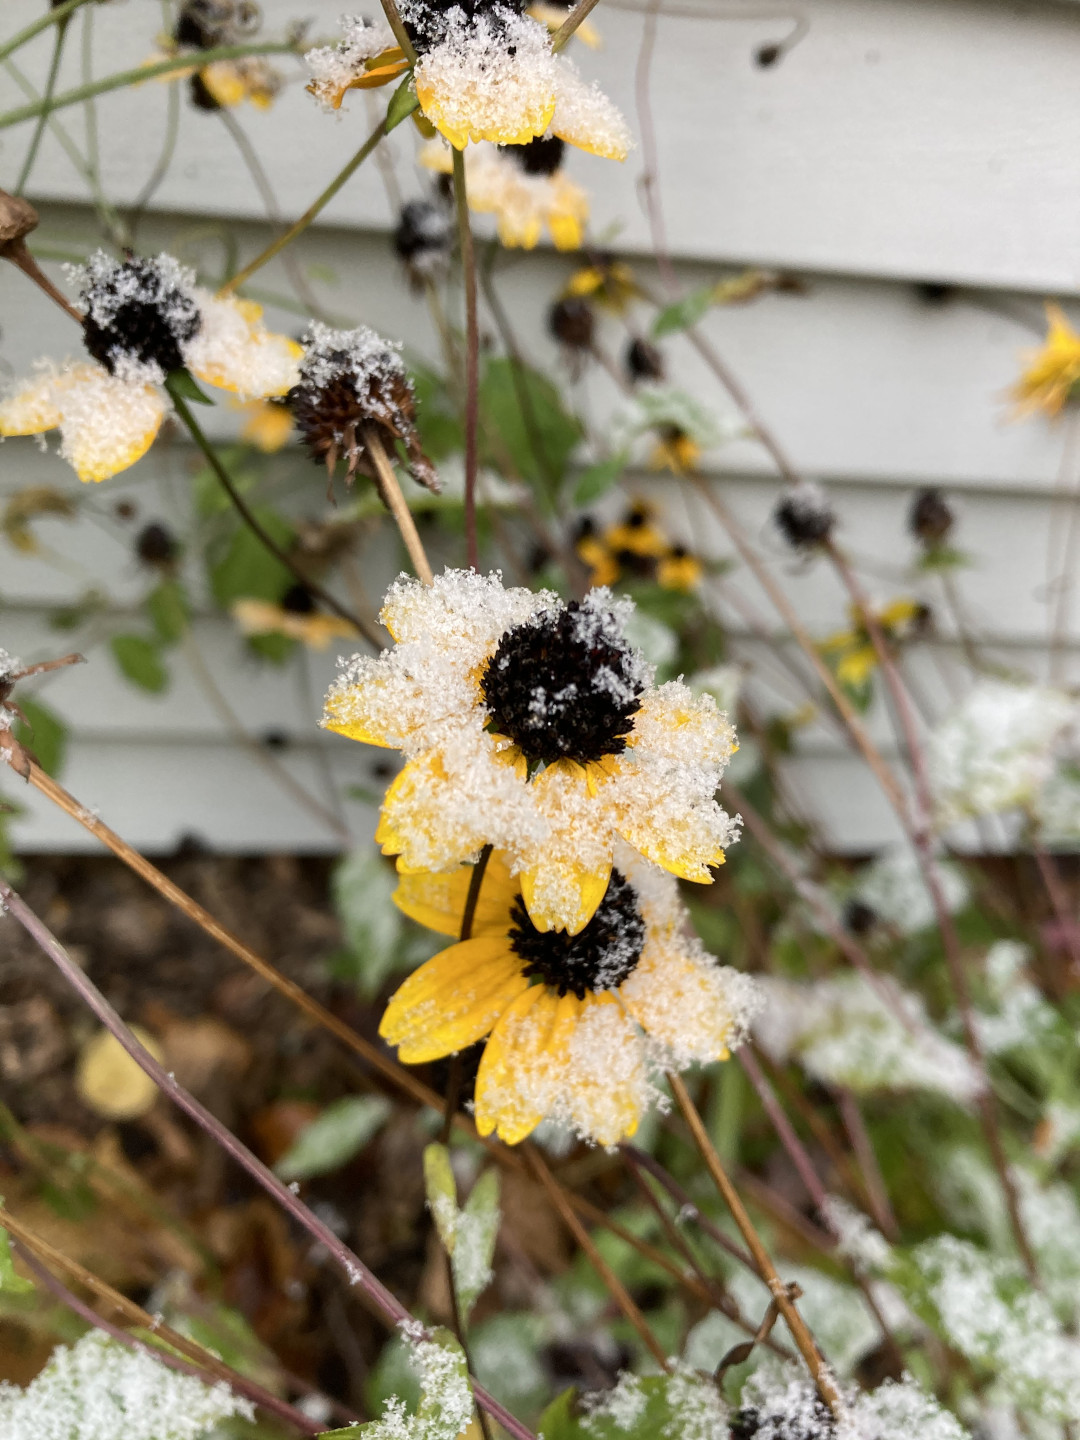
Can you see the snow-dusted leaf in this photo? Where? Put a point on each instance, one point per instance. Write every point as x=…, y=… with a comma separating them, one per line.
x=478, y=1226
x=334, y=1137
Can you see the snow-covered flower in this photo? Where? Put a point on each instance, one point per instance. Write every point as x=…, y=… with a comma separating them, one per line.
x=353, y=383
x=532, y=725
x=524, y=187
x=485, y=72
x=143, y=320
x=848, y=1031
x=98, y=1389
x=997, y=749
x=576, y=1025
x=804, y=515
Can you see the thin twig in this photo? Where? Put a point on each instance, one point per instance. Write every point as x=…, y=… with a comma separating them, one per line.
x=382, y=1301
x=254, y=525
x=397, y=25
x=205, y=1360
x=59, y=16
x=581, y=11
x=20, y=256
x=390, y=491
x=43, y=118
x=823, y=1377
x=472, y=358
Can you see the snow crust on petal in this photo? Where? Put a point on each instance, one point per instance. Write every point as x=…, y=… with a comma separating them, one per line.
x=107, y=422
x=585, y=117
x=234, y=350
x=333, y=68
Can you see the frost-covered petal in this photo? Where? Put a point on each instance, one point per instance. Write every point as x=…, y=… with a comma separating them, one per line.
x=335, y=69
x=233, y=349
x=453, y=1000
x=520, y=1064
x=31, y=408
x=567, y=876
x=490, y=78
x=107, y=422
x=585, y=117
x=607, y=1086
x=697, y=1009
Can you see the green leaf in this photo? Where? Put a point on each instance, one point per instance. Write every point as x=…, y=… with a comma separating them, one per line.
x=169, y=611
x=10, y=1283
x=437, y=418
x=477, y=1230
x=402, y=104
x=599, y=478
x=363, y=886
x=181, y=383
x=140, y=660
x=523, y=419
x=334, y=1137
x=44, y=733
x=441, y=1188
x=683, y=313
x=247, y=569
x=558, y=1422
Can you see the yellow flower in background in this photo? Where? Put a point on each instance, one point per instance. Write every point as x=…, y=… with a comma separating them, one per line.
x=296, y=618
x=855, y=658
x=228, y=83
x=525, y=190
x=267, y=425
x=607, y=281
x=635, y=547
x=577, y=1026
x=674, y=450
x=532, y=725
x=595, y=552
x=491, y=76
x=1053, y=371
x=679, y=570
x=143, y=320
x=637, y=534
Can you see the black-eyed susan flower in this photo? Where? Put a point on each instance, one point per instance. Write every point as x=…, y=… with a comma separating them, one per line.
x=351, y=382
x=142, y=320
x=608, y=281
x=572, y=321
x=636, y=547
x=297, y=617
x=643, y=362
x=930, y=518
x=674, y=449
x=853, y=655
x=591, y=547
x=577, y=1025
x=679, y=569
x=206, y=24
x=525, y=189
x=485, y=72
x=1053, y=372
x=804, y=515
x=532, y=725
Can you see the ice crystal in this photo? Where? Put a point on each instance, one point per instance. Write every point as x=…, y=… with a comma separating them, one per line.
x=139, y=309
x=894, y=888
x=996, y=751
x=785, y=1406
x=98, y=1389
x=446, y=1403
x=848, y=1031
x=585, y=117
x=333, y=67
x=623, y=1405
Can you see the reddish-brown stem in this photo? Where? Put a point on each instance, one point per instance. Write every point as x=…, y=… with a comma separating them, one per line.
x=873, y=1180
x=472, y=358
x=382, y=1301
x=19, y=255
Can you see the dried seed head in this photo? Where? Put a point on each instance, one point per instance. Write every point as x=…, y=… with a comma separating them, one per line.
x=930, y=518
x=749, y=1423
x=17, y=218
x=298, y=600
x=203, y=24
x=643, y=361
x=138, y=310
x=428, y=21
x=804, y=516
x=573, y=323
x=352, y=380
x=155, y=545
x=424, y=240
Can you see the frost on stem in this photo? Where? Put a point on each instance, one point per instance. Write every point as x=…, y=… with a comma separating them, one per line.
x=100, y=1390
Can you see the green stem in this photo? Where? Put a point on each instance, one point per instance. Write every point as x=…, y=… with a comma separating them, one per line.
x=251, y=520
x=52, y=17
x=472, y=358
x=137, y=75
x=43, y=118
x=310, y=213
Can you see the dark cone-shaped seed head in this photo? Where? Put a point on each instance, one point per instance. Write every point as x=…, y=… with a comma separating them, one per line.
x=298, y=600
x=573, y=323
x=424, y=240
x=202, y=24
x=749, y=1423
x=138, y=310
x=600, y=957
x=804, y=516
x=643, y=361
x=156, y=546
x=541, y=156
x=930, y=518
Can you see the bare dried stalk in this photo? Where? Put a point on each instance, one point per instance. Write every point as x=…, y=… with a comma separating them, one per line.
x=397, y=25
x=581, y=11
x=20, y=256
x=472, y=358
x=823, y=1377
x=208, y=1363
x=382, y=1301
x=394, y=500
x=617, y=1289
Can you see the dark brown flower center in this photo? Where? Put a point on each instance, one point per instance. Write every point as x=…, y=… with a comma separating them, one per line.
x=600, y=957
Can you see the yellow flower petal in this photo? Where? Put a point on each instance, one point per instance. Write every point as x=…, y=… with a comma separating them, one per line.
x=111, y=1082
x=438, y=900
x=567, y=880
x=681, y=1001
x=107, y=422
x=267, y=426
x=31, y=409
x=454, y=999
x=355, y=712
x=225, y=82
x=234, y=351
x=606, y=1081
x=585, y=117
x=508, y=1100
x=409, y=785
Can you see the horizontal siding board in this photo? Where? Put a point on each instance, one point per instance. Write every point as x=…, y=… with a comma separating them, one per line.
x=917, y=138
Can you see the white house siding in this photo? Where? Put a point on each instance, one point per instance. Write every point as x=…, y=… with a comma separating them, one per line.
x=896, y=142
